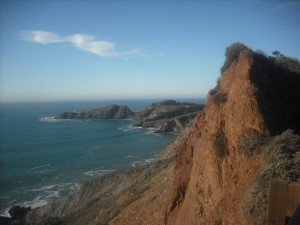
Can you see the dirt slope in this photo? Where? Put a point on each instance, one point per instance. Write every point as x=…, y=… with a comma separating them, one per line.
x=213, y=176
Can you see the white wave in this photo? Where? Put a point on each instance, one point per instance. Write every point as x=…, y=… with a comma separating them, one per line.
x=48, y=119
x=151, y=131
x=75, y=187
x=142, y=162
x=46, y=194
x=52, y=119
x=68, y=186
x=5, y=213
x=39, y=167
x=4, y=197
x=97, y=173
x=44, y=171
x=134, y=127
x=131, y=156
x=129, y=128
x=98, y=147
x=37, y=202
x=55, y=187
x=45, y=188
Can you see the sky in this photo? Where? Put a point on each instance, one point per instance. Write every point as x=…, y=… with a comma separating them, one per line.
x=53, y=50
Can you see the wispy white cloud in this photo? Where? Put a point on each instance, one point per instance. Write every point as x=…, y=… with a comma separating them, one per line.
x=83, y=42
x=41, y=37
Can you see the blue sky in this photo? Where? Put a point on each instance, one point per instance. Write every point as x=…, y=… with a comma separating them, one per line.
x=88, y=50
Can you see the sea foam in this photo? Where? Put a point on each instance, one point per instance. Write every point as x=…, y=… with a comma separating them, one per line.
x=97, y=173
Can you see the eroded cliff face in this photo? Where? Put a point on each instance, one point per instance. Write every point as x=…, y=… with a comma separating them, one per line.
x=213, y=176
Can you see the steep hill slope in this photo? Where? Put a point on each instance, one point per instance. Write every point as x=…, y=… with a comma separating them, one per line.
x=168, y=116
x=214, y=174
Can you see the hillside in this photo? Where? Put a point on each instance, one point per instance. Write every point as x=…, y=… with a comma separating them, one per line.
x=222, y=170
x=168, y=116
x=165, y=116
x=217, y=171
x=107, y=112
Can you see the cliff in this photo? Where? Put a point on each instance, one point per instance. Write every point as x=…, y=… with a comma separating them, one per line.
x=168, y=116
x=217, y=171
x=222, y=170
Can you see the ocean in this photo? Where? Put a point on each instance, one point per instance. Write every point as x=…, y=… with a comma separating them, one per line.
x=42, y=159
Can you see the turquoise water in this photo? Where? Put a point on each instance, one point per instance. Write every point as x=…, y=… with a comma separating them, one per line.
x=42, y=159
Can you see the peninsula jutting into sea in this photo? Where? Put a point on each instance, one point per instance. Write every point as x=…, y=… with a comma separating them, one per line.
x=165, y=116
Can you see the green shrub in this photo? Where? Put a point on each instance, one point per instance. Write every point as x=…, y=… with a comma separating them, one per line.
x=291, y=64
x=261, y=53
x=232, y=53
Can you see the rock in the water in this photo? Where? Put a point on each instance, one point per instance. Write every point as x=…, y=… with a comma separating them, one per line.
x=18, y=211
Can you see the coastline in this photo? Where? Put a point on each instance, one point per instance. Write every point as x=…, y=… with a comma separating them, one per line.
x=110, y=187
x=30, y=117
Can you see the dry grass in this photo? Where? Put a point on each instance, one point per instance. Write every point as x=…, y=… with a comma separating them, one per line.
x=282, y=164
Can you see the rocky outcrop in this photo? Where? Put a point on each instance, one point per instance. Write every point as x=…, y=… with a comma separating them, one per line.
x=168, y=116
x=107, y=112
x=17, y=215
x=214, y=177
x=174, y=124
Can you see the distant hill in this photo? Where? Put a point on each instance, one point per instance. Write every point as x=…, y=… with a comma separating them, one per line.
x=107, y=112
x=165, y=116
x=168, y=116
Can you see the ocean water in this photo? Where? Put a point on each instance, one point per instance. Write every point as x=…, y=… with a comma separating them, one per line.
x=43, y=159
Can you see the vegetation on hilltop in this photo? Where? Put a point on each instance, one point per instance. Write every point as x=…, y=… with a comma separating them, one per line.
x=173, y=103
x=232, y=53
x=278, y=59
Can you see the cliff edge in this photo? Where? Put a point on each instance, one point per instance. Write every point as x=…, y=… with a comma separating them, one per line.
x=232, y=152
x=168, y=116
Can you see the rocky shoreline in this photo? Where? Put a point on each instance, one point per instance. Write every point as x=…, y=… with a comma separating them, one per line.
x=165, y=116
x=108, y=194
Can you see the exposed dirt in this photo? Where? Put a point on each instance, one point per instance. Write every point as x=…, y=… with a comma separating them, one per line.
x=213, y=176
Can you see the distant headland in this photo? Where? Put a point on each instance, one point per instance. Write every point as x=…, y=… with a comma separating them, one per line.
x=165, y=116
